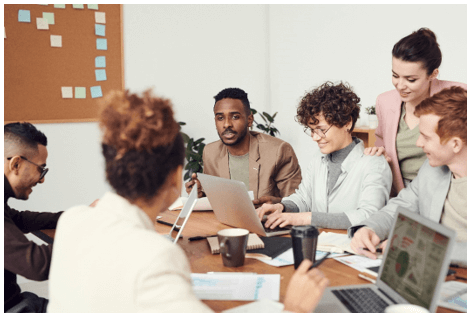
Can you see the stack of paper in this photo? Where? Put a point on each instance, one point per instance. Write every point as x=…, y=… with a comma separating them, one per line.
x=236, y=286
x=334, y=243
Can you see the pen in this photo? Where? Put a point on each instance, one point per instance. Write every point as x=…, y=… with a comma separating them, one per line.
x=167, y=223
x=315, y=264
x=378, y=250
x=197, y=238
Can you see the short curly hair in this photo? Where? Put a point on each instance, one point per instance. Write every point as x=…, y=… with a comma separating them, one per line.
x=451, y=105
x=234, y=93
x=337, y=103
x=141, y=143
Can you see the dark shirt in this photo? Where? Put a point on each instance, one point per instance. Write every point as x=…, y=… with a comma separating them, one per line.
x=22, y=256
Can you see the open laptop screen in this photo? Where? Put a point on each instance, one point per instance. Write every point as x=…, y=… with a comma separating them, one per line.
x=414, y=260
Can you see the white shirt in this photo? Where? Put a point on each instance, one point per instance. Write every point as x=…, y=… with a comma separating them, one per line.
x=111, y=259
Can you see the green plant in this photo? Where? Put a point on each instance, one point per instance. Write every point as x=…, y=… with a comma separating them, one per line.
x=267, y=126
x=370, y=110
x=193, y=153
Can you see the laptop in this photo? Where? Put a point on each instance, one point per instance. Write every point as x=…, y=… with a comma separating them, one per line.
x=233, y=206
x=413, y=269
x=183, y=216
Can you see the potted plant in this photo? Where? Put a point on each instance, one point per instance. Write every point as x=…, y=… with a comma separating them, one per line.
x=373, y=121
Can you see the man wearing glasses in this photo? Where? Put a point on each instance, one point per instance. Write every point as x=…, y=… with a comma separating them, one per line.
x=25, y=157
x=342, y=186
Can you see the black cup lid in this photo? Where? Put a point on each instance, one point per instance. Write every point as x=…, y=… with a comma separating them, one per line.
x=304, y=230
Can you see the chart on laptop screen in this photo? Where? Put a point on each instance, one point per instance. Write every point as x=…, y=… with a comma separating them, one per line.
x=414, y=261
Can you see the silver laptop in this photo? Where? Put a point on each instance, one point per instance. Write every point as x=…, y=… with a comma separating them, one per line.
x=183, y=216
x=413, y=269
x=233, y=206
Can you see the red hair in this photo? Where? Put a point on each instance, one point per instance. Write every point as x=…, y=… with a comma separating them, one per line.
x=451, y=105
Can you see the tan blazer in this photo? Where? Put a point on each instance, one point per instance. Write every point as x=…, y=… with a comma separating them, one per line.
x=388, y=109
x=273, y=165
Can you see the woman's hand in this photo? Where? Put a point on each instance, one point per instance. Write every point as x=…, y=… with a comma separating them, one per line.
x=283, y=219
x=305, y=289
x=377, y=151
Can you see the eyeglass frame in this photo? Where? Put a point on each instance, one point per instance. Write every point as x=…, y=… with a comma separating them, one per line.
x=314, y=131
x=43, y=169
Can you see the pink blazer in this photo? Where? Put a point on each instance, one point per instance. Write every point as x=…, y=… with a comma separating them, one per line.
x=388, y=112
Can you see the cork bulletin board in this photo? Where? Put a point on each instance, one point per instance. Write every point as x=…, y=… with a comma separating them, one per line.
x=59, y=60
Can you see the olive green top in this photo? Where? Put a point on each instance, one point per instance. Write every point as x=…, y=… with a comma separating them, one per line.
x=410, y=157
x=239, y=168
x=455, y=208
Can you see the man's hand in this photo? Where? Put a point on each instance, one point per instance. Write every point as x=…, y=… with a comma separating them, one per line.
x=189, y=185
x=366, y=238
x=266, y=199
x=269, y=208
x=305, y=289
x=377, y=151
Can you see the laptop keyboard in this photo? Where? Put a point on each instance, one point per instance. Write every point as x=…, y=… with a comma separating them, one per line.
x=361, y=300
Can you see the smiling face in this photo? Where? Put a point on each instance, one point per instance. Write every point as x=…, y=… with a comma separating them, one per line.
x=232, y=122
x=336, y=138
x=437, y=153
x=411, y=80
x=28, y=174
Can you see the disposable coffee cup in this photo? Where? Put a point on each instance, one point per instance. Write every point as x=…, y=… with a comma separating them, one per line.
x=233, y=243
x=304, y=241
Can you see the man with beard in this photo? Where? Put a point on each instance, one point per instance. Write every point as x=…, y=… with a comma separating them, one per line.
x=267, y=165
x=24, y=167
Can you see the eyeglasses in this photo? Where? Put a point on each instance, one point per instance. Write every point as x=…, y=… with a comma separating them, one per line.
x=42, y=170
x=318, y=131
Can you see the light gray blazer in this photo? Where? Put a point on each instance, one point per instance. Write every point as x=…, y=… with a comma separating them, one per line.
x=425, y=195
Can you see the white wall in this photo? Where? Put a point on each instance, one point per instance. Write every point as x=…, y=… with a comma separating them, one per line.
x=275, y=52
x=310, y=44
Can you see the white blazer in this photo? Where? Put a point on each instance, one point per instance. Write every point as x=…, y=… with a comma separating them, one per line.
x=111, y=259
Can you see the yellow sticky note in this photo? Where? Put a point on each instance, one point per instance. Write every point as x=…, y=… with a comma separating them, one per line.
x=66, y=92
x=100, y=17
x=56, y=40
x=42, y=24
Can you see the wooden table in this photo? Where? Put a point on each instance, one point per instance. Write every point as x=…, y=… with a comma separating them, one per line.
x=202, y=261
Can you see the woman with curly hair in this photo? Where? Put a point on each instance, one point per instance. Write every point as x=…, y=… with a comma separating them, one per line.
x=341, y=186
x=110, y=258
x=415, y=66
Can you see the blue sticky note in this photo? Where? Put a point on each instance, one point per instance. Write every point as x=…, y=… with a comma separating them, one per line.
x=96, y=91
x=102, y=44
x=100, y=29
x=100, y=75
x=24, y=16
x=100, y=61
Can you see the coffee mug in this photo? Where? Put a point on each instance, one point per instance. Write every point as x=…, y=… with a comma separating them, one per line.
x=233, y=243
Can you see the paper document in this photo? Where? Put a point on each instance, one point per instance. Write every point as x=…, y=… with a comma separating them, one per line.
x=236, y=286
x=334, y=242
x=454, y=296
x=286, y=258
x=360, y=263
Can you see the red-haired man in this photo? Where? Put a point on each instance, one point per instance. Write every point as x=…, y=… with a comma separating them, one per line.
x=439, y=192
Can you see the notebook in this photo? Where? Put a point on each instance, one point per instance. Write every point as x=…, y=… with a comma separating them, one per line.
x=253, y=242
x=413, y=269
x=232, y=205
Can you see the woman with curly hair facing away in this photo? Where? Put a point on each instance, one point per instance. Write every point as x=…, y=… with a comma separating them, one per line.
x=341, y=186
x=110, y=258
x=415, y=67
